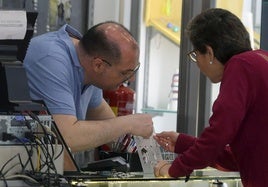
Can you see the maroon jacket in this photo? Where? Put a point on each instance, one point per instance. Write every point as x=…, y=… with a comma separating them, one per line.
x=237, y=136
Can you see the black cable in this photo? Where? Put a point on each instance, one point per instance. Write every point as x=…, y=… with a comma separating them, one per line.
x=29, y=153
x=12, y=167
x=47, y=175
x=40, y=145
x=46, y=154
x=46, y=135
x=31, y=137
x=49, y=162
x=49, y=158
x=187, y=178
x=3, y=167
x=62, y=147
x=9, y=160
x=44, y=179
x=35, y=117
x=2, y=177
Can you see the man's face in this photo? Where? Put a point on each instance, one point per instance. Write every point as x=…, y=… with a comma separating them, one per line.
x=125, y=68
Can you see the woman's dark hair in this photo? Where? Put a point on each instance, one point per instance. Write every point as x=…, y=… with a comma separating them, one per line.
x=95, y=42
x=221, y=30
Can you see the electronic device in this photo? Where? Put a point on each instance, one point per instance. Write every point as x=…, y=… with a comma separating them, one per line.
x=29, y=145
x=14, y=90
x=15, y=49
x=149, y=153
x=21, y=126
x=117, y=163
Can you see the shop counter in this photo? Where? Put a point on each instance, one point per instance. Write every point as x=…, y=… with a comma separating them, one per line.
x=202, y=178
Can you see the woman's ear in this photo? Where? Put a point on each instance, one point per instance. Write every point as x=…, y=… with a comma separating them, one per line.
x=210, y=52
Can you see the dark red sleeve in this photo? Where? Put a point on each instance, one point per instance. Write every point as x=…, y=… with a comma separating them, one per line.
x=184, y=141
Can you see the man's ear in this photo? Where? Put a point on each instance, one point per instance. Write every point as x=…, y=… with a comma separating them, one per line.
x=98, y=65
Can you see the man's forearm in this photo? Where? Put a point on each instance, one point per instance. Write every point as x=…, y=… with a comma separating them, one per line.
x=91, y=134
x=83, y=135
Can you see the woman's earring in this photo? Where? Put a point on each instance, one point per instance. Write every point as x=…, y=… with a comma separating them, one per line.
x=210, y=62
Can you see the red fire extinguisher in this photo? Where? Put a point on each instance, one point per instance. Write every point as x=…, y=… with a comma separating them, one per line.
x=121, y=100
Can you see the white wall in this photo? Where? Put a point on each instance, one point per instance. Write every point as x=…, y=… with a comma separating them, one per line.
x=164, y=60
x=112, y=10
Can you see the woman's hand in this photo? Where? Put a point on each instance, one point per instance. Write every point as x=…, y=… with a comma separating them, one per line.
x=161, y=169
x=167, y=140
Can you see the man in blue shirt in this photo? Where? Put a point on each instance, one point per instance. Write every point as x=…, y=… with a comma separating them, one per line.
x=68, y=72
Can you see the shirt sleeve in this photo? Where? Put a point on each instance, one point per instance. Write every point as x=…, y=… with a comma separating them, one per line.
x=183, y=143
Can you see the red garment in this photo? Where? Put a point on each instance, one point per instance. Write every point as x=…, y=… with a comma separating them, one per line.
x=237, y=136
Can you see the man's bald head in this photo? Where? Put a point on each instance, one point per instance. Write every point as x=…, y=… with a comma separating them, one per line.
x=108, y=39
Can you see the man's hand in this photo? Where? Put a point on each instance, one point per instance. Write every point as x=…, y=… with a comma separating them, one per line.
x=142, y=125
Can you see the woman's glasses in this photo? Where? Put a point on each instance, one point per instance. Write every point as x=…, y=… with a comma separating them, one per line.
x=192, y=55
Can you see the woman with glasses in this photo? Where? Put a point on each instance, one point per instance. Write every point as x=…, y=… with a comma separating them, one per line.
x=236, y=138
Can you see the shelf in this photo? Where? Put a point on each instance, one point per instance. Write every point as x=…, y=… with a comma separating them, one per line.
x=165, y=16
x=167, y=27
x=157, y=111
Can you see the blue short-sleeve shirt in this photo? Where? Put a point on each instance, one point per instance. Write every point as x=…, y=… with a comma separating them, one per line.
x=56, y=76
